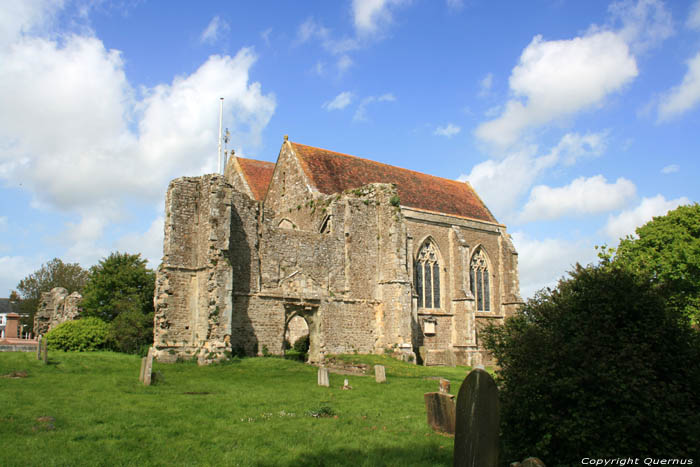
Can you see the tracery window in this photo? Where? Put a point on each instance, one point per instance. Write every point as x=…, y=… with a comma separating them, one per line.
x=479, y=281
x=428, y=276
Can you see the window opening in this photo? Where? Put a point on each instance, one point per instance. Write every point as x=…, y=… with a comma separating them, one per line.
x=428, y=276
x=479, y=284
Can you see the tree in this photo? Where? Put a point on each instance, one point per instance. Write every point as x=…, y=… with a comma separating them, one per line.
x=667, y=254
x=120, y=291
x=599, y=367
x=54, y=273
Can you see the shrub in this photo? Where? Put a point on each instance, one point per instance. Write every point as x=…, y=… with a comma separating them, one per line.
x=600, y=367
x=395, y=201
x=131, y=332
x=85, y=334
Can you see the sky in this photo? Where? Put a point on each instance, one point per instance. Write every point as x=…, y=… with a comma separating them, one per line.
x=576, y=122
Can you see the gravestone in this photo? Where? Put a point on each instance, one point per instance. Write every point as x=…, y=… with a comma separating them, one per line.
x=323, y=377
x=38, y=348
x=45, y=351
x=379, y=373
x=148, y=369
x=444, y=386
x=532, y=462
x=440, y=409
x=477, y=425
x=143, y=368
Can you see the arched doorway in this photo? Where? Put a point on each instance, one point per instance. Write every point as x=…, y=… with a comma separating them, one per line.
x=300, y=333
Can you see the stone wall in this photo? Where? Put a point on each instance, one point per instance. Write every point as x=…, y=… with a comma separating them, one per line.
x=56, y=307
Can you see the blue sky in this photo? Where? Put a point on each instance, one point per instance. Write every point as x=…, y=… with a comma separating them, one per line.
x=575, y=121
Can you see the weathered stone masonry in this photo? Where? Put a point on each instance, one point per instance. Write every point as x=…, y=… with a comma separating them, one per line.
x=246, y=252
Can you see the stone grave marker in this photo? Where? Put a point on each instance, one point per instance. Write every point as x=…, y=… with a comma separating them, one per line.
x=148, y=368
x=444, y=386
x=38, y=348
x=143, y=368
x=323, y=377
x=379, y=373
x=440, y=409
x=477, y=425
x=45, y=351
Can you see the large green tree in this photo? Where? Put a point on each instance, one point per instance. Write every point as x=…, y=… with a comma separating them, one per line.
x=666, y=253
x=599, y=367
x=54, y=273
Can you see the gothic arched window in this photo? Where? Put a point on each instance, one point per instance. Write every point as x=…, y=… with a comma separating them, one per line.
x=428, y=276
x=479, y=281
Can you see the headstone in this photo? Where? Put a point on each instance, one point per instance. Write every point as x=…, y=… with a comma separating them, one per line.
x=38, y=348
x=440, y=409
x=532, y=462
x=346, y=384
x=379, y=373
x=45, y=351
x=323, y=377
x=477, y=426
x=143, y=368
x=444, y=386
x=148, y=369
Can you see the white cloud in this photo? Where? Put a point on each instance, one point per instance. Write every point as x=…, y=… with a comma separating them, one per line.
x=214, y=30
x=12, y=270
x=3, y=223
x=645, y=23
x=455, y=5
x=485, y=85
x=556, y=79
x=685, y=96
x=19, y=17
x=669, y=169
x=693, y=21
x=626, y=222
x=449, y=130
x=542, y=263
x=340, y=101
x=344, y=62
x=265, y=35
x=148, y=243
x=582, y=196
x=502, y=183
x=370, y=16
x=361, y=112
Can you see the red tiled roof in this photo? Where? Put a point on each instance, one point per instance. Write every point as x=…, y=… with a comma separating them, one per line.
x=333, y=172
x=257, y=174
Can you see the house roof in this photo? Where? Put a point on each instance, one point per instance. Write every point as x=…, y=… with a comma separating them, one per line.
x=257, y=174
x=6, y=306
x=333, y=172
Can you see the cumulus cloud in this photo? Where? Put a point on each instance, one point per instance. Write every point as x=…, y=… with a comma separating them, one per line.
x=214, y=30
x=340, y=101
x=556, y=79
x=501, y=183
x=19, y=17
x=361, y=112
x=582, y=196
x=449, y=130
x=370, y=16
x=685, y=96
x=542, y=263
x=13, y=269
x=644, y=23
x=626, y=222
x=669, y=169
x=148, y=243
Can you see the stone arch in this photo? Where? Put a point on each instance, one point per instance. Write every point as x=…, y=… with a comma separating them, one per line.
x=480, y=283
x=297, y=328
x=286, y=224
x=307, y=313
x=428, y=274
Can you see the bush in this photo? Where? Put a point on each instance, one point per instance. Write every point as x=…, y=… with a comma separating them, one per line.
x=600, y=367
x=131, y=332
x=85, y=334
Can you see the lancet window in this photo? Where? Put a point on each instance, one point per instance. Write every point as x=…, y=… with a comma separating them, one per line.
x=428, y=276
x=479, y=281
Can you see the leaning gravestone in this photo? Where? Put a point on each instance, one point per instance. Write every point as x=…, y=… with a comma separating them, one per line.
x=323, y=377
x=143, y=369
x=440, y=409
x=444, y=386
x=38, y=348
x=476, y=434
x=148, y=369
x=379, y=373
x=45, y=351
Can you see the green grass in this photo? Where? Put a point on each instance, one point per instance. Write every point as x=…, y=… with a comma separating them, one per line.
x=254, y=411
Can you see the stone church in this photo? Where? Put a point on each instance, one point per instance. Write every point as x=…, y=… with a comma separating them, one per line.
x=362, y=256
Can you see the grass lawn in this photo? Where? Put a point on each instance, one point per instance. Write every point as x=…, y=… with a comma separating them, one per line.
x=90, y=409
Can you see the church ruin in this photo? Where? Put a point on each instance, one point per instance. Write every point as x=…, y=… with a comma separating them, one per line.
x=369, y=258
